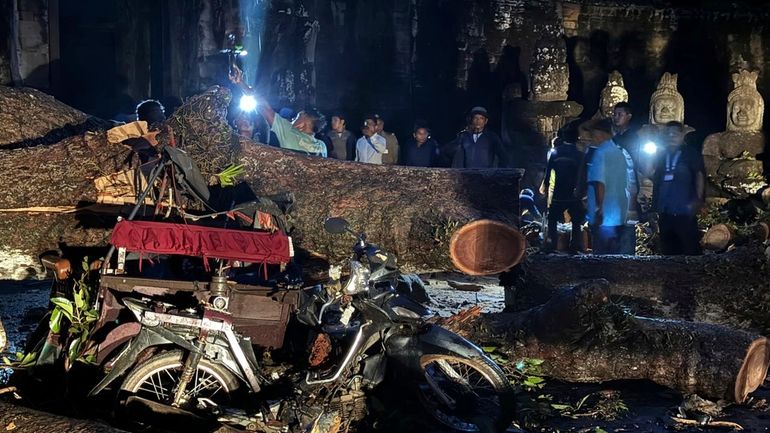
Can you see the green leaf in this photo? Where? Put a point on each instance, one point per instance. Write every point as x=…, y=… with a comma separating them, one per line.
x=7, y=361
x=91, y=316
x=28, y=359
x=535, y=379
x=489, y=349
x=560, y=406
x=74, y=349
x=600, y=430
x=65, y=305
x=582, y=401
x=55, y=322
x=535, y=362
x=78, y=296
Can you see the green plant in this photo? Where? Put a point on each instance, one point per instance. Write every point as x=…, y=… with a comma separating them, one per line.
x=80, y=314
x=228, y=175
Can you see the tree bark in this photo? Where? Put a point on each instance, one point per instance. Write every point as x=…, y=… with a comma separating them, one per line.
x=412, y=212
x=583, y=337
x=20, y=419
x=727, y=289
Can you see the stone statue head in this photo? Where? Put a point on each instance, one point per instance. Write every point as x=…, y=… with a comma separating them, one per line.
x=745, y=106
x=666, y=103
x=612, y=94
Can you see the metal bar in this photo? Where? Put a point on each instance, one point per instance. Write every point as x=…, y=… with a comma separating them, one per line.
x=351, y=352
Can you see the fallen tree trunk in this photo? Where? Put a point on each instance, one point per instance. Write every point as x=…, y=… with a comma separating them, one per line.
x=721, y=236
x=20, y=419
x=412, y=212
x=583, y=337
x=728, y=289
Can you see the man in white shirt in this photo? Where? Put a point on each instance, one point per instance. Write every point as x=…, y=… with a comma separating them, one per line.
x=371, y=146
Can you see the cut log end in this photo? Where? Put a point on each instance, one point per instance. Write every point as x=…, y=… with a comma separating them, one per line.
x=753, y=370
x=718, y=237
x=486, y=247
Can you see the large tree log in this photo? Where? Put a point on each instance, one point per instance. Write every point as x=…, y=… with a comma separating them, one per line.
x=412, y=212
x=20, y=419
x=728, y=289
x=583, y=337
x=29, y=117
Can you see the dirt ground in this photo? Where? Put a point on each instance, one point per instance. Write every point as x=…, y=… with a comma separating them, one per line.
x=629, y=406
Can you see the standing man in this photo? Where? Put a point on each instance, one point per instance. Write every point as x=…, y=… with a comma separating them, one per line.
x=391, y=142
x=477, y=146
x=344, y=141
x=371, y=146
x=607, y=189
x=628, y=140
x=299, y=135
x=564, y=162
x=679, y=185
x=421, y=150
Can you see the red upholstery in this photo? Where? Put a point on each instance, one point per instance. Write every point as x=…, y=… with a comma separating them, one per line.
x=199, y=241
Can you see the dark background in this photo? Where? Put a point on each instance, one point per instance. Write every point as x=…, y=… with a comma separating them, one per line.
x=405, y=59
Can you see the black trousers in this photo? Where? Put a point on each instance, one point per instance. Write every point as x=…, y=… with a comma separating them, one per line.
x=577, y=215
x=679, y=235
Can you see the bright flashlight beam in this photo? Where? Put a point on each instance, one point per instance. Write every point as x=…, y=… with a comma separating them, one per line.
x=650, y=148
x=248, y=103
x=243, y=53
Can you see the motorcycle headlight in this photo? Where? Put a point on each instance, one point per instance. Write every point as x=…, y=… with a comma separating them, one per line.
x=359, y=279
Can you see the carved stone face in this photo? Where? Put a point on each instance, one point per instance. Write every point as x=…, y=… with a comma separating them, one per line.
x=608, y=102
x=666, y=109
x=743, y=114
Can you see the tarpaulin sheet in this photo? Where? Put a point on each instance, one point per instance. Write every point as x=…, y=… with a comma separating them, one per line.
x=200, y=241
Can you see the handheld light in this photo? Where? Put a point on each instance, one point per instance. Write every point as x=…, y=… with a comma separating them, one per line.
x=650, y=148
x=248, y=103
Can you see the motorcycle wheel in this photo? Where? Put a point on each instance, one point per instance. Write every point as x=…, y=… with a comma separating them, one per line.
x=467, y=395
x=156, y=378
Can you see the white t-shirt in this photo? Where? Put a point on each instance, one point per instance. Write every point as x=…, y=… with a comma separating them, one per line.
x=371, y=149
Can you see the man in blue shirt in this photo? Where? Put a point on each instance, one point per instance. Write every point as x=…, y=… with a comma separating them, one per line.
x=678, y=193
x=607, y=189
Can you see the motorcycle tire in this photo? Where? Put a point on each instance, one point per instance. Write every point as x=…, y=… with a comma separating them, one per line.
x=167, y=367
x=477, y=396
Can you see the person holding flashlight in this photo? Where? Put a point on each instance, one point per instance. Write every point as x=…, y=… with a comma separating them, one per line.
x=299, y=135
x=678, y=194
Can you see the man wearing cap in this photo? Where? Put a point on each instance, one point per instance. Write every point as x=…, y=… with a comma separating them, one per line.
x=477, y=146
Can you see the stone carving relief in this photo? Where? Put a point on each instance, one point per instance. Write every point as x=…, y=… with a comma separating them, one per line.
x=745, y=106
x=731, y=156
x=666, y=103
x=550, y=75
x=613, y=93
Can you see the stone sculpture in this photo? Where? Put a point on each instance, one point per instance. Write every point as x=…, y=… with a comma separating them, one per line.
x=613, y=93
x=731, y=156
x=666, y=103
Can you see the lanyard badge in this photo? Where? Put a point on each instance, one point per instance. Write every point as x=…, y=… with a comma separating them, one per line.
x=671, y=164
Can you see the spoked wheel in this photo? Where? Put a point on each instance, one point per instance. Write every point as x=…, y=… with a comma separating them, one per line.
x=469, y=395
x=155, y=381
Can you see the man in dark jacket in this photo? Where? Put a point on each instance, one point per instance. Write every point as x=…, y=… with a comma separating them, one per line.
x=679, y=192
x=477, y=146
x=564, y=163
x=421, y=150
